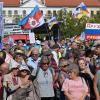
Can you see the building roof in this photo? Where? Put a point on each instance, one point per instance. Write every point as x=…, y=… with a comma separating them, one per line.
x=56, y=3
x=11, y=3
x=72, y=3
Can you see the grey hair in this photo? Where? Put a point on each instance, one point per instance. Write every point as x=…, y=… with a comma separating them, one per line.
x=44, y=58
x=74, y=68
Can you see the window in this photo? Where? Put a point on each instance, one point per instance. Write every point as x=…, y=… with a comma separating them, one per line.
x=54, y=13
x=98, y=12
x=9, y=13
x=4, y=13
x=49, y=13
x=15, y=12
x=70, y=12
x=42, y=11
x=92, y=13
x=24, y=13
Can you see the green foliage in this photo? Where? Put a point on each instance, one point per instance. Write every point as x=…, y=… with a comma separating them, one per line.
x=71, y=26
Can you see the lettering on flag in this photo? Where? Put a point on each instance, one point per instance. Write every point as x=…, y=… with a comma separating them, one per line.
x=92, y=31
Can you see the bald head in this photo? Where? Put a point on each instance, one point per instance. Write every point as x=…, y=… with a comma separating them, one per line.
x=35, y=53
x=4, y=68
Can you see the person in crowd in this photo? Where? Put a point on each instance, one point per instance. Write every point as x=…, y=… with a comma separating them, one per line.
x=75, y=87
x=1, y=86
x=26, y=90
x=63, y=74
x=55, y=50
x=33, y=58
x=4, y=68
x=19, y=46
x=97, y=75
x=7, y=47
x=20, y=57
x=53, y=64
x=10, y=82
x=1, y=79
x=45, y=77
x=2, y=54
x=86, y=73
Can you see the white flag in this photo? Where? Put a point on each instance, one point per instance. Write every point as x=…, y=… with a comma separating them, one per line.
x=32, y=37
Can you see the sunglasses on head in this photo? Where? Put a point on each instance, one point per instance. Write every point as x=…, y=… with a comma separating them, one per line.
x=19, y=56
x=65, y=65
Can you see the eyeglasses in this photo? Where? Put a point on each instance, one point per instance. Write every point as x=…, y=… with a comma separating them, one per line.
x=45, y=63
x=69, y=72
x=48, y=55
x=24, y=71
x=35, y=54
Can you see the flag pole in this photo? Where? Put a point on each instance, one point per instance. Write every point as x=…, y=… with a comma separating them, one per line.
x=48, y=32
x=44, y=3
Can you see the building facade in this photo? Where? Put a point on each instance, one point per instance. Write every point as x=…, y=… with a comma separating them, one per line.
x=14, y=10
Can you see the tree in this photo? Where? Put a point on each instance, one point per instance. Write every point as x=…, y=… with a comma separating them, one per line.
x=73, y=25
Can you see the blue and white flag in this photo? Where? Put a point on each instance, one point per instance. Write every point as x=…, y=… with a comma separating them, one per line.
x=52, y=22
x=80, y=11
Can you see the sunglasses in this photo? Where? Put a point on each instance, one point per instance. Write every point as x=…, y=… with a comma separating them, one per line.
x=24, y=71
x=45, y=63
x=35, y=54
x=49, y=55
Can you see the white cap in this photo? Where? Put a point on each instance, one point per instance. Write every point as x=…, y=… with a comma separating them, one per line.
x=24, y=67
x=37, y=42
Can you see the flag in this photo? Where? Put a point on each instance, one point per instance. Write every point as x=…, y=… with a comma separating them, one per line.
x=82, y=36
x=80, y=11
x=33, y=20
x=52, y=22
x=1, y=20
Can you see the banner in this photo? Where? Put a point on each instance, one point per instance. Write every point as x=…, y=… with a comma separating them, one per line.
x=32, y=37
x=1, y=19
x=92, y=31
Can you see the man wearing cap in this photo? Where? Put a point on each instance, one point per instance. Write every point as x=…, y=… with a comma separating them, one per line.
x=10, y=82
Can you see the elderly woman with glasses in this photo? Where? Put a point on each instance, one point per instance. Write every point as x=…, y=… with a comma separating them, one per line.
x=45, y=76
x=75, y=87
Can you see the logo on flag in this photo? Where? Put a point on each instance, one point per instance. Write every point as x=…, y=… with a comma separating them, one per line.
x=80, y=11
x=33, y=20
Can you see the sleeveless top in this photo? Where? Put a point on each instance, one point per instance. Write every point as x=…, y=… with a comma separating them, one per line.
x=99, y=81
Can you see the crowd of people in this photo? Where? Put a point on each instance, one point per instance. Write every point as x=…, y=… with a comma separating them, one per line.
x=49, y=70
